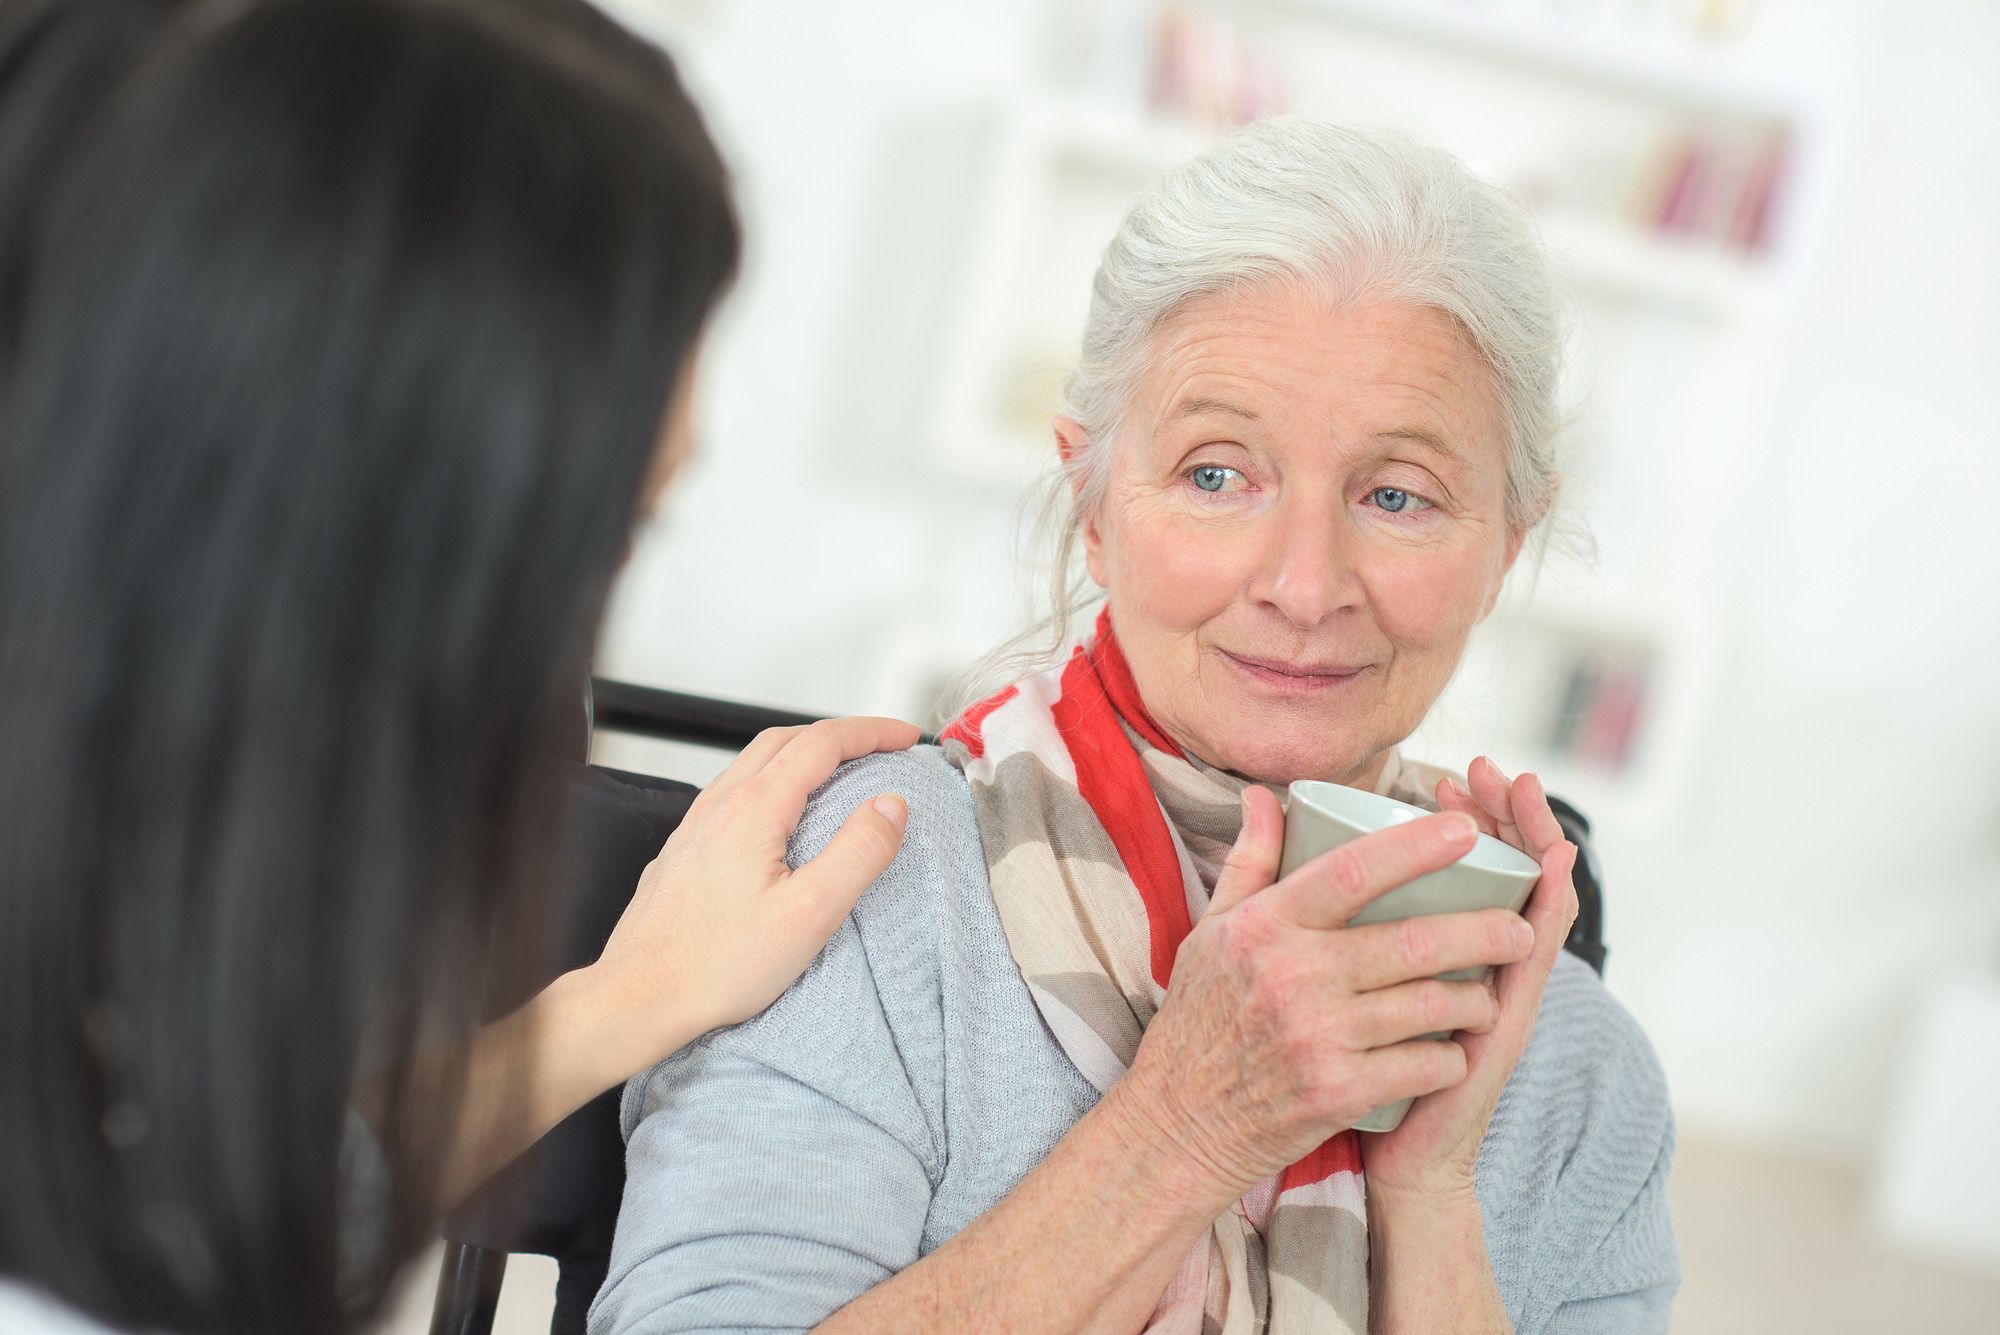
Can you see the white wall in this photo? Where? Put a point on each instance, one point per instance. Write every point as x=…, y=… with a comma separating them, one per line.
x=1849, y=848
x=779, y=563
x=1844, y=842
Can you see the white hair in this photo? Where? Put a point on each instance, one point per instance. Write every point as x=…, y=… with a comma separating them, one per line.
x=1351, y=213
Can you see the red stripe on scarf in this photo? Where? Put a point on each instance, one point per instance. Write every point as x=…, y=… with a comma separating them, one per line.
x=1111, y=779
x=1160, y=884
x=1123, y=688
x=1342, y=1154
x=1097, y=690
x=967, y=727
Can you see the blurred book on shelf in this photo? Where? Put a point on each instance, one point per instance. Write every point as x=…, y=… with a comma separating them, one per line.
x=1711, y=25
x=1598, y=719
x=1714, y=186
x=1211, y=70
x=1198, y=65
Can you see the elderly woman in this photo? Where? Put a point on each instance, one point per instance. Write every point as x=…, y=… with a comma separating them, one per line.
x=1078, y=1060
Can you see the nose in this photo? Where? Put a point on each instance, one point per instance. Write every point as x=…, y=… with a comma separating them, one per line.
x=1307, y=572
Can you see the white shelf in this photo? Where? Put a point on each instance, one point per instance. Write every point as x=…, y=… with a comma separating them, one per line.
x=1668, y=69
x=1660, y=267
x=1628, y=615
x=1598, y=253
x=1128, y=144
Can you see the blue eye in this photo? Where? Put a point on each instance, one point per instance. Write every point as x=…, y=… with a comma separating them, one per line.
x=1212, y=477
x=1395, y=500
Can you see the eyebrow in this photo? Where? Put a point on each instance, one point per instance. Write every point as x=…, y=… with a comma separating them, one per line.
x=1199, y=407
x=1421, y=437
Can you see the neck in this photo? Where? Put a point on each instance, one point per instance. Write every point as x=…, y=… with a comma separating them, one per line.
x=1370, y=775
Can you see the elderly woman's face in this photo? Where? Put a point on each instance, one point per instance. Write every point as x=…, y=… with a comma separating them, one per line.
x=1305, y=520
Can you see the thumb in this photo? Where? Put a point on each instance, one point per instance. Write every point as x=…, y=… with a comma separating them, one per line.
x=827, y=887
x=1253, y=860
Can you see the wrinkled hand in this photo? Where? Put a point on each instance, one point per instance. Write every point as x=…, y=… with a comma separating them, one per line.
x=1283, y=1026
x=1434, y=1152
x=720, y=925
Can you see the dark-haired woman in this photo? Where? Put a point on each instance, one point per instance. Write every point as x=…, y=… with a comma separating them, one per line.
x=341, y=345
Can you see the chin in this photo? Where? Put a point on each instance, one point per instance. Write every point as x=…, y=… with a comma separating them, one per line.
x=1285, y=752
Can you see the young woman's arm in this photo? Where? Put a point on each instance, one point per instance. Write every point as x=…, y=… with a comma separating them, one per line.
x=717, y=928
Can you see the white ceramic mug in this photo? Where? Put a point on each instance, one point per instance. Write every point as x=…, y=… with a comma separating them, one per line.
x=1492, y=875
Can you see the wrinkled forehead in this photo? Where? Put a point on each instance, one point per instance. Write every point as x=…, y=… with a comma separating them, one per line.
x=1284, y=358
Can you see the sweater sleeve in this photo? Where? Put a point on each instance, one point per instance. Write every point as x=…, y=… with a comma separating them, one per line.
x=1628, y=1282
x=778, y=1170
x=1574, y=1171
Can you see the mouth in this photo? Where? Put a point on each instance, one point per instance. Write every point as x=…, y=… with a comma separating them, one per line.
x=1294, y=678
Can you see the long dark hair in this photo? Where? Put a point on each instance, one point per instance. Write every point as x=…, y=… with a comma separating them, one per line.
x=338, y=339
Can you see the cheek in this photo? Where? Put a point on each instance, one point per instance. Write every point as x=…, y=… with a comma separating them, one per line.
x=1430, y=605
x=1167, y=572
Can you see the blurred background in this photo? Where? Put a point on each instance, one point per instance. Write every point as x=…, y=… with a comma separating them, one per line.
x=1760, y=653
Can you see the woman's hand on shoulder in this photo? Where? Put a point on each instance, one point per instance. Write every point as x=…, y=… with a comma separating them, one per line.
x=720, y=925
x=1435, y=1151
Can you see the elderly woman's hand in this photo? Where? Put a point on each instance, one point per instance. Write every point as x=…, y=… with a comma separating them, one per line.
x=1433, y=1154
x=1283, y=1026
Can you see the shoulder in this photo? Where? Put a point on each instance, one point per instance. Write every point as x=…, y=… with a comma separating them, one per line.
x=1579, y=1010
x=938, y=878
x=941, y=827
x=1589, y=1074
x=1584, y=1128
x=1573, y=1171
x=1585, y=1119
x=1585, y=1029
x=859, y=1025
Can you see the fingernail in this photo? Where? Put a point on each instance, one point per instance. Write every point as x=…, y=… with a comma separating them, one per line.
x=1464, y=829
x=893, y=808
x=1524, y=935
x=1497, y=770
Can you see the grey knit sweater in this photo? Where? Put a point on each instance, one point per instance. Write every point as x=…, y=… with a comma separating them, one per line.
x=779, y=1169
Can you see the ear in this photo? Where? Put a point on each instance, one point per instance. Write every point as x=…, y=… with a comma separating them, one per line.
x=1071, y=443
x=1515, y=538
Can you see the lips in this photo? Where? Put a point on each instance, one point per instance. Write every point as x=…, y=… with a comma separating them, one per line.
x=1305, y=673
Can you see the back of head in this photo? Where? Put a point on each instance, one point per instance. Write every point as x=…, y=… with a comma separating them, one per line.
x=342, y=335
x=56, y=59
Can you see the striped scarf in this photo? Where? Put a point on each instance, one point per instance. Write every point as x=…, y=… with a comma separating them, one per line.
x=1103, y=841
